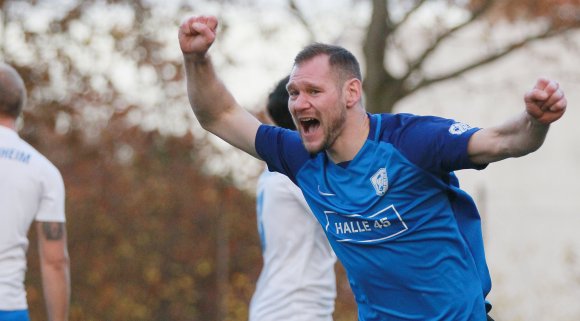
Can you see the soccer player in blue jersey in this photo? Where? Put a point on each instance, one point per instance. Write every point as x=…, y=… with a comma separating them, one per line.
x=381, y=185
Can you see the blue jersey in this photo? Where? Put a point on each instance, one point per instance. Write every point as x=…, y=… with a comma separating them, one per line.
x=408, y=237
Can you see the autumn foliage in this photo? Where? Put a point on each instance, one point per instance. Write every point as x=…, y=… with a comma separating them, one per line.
x=151, y=237
x=143, y=233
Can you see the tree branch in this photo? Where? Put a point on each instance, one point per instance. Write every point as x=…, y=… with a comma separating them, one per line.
x=295, y=10
x=412, y=67
x=408, y=14
x=549, y=32
x=377, y=32
x=399, y=47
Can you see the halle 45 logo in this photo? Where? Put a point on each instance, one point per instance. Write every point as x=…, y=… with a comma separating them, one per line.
x=380, y=181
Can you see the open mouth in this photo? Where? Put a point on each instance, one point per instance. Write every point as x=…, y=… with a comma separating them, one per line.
x=309, y=125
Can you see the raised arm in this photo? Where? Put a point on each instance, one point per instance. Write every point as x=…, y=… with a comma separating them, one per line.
x=214, y=106
x=545, y=104
x=54, y=266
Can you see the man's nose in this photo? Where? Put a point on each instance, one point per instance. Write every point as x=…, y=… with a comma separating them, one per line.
x=300, y=103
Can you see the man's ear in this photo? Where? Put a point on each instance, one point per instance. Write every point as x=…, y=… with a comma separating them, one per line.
x=352, y=92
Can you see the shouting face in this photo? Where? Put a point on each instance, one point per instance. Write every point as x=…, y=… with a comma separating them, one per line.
x=316, y=103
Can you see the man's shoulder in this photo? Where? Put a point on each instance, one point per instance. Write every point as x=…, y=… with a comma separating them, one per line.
x=270, y=130
x=394, y=125
x=281, y=149
x=33, y=157
x=402, y=119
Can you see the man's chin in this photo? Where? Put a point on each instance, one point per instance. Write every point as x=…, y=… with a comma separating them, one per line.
x=312, y=148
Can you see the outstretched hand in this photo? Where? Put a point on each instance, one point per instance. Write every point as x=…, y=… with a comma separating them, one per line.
x=197, y=34
x=546, y=102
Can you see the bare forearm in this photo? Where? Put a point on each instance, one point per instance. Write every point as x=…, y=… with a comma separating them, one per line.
x=214, y=106
x=523, y=136
x=544, y=104
x=56, y=285
x=55, y=268
x=515, y=138
x=208, y=96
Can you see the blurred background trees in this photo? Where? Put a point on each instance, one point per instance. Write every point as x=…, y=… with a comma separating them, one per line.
x=398, y=65
x=161, y=216
x=144, y=226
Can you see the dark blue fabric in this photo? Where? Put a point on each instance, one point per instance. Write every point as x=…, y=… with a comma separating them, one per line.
x=408, y=237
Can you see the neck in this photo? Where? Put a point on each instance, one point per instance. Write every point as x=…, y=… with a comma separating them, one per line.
x=352, y=138
x=8, y=122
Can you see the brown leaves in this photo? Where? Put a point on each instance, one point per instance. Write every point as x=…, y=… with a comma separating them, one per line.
x=143, y=232
x=558, y=13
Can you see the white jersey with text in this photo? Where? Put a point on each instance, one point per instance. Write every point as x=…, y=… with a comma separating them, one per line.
x=297, y=281
x=31, y=189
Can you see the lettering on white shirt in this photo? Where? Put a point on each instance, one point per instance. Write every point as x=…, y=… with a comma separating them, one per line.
x=14, y=154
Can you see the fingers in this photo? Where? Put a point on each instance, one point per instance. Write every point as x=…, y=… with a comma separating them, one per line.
x=546, y=102
x=560, y=105
x=211, y=23
x=204, y=25
x=545, y=94
x=542, y=90
x=536, y=96
x=199, y=25
x=556, y=102
x=531, y=106
x=198, y=28
x=542, y=83
x=197, y=34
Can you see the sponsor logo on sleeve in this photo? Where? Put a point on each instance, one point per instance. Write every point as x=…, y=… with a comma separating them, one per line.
x=459, y=128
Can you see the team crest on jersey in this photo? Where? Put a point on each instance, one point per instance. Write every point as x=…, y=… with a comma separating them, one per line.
x=380, y=181
x=459, y=128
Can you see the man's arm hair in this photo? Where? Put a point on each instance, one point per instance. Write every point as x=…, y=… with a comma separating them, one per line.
x=545, y=103
x=215, y=107
x=515, y=138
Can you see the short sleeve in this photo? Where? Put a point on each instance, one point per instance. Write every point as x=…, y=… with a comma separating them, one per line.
x=281, y=149
x=52, y=202
x=435, y=144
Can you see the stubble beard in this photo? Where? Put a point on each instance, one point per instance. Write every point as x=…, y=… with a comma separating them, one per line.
x=331, y=131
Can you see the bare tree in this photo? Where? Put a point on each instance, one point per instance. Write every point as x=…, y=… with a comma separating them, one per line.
x=384, y=88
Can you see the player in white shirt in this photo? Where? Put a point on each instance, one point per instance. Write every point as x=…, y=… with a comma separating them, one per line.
x=31, y=189
x=297, y=281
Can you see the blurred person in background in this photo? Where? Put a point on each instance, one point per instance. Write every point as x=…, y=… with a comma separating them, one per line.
x=297, y=281
x=31, y=190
